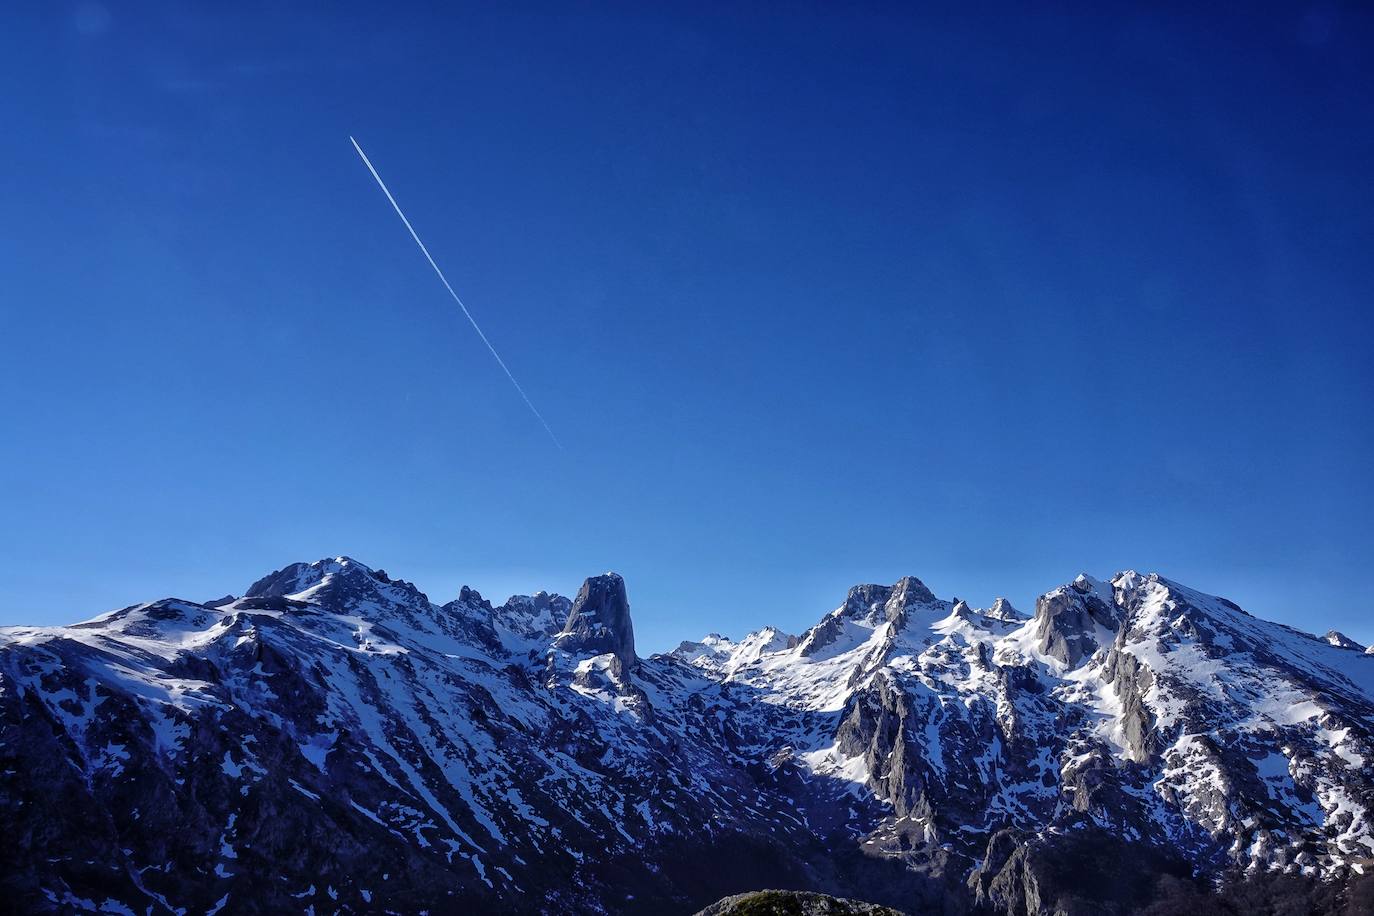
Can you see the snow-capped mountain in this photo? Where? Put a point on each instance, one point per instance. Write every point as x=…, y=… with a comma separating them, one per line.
x=335, y=741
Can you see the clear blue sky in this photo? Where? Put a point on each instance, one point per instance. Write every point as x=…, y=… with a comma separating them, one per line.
x=812, y=297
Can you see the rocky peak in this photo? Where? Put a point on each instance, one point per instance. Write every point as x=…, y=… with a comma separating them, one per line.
x=1002, y=609
x=1341, y=641
x=911, y=590
x=297, y=577
x=599, y=621
x=539, y=604
x=1157, y=608
x=874, y=604
x=537, y=618
x=471, y=597
x=1074, y=621
x=864, y=602
x=339, y=573
x=870, y=606
x=343, y=585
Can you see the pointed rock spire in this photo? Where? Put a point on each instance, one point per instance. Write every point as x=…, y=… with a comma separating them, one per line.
x=599, y=621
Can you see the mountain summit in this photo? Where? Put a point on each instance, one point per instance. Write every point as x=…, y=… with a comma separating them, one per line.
x=334, y=740
x=599, y=621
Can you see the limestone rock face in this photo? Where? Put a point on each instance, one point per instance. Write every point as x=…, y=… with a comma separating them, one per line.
x=1074, y=621
x=599, y=621
x=868, y=605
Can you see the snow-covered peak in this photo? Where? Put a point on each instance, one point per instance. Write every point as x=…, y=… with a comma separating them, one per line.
x=1002, y=609
x=343, y=583
x=1086, y=584
x=723, y=657
x=708, y=652
x=1340, y=640
x=871, y=604
x=299, y=577
x=866, y=610
x=531, y=622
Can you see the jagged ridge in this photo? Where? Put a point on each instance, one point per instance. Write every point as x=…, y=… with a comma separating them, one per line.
x=335, y=738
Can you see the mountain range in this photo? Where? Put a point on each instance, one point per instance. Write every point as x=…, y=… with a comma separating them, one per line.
x=334, y=741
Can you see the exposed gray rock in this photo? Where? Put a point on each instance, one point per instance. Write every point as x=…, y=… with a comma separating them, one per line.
x=793, y=903
x=868, y=604
x=1131, y=681
x=874, y=725
x=1084, y=873
x=1073, y=622
x=599, y=621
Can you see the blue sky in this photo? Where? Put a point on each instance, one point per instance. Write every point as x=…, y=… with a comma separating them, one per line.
x=811, y=296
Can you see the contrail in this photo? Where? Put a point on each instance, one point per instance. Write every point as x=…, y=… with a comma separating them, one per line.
x=442, y=279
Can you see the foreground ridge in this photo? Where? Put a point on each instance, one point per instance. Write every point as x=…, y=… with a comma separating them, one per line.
x=792, y=903
x=334, y=739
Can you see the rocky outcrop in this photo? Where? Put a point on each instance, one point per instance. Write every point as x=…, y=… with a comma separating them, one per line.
x=1086, y=873
x=1073, y=622
x=869, y=605
x=793, y=903
x=539, y=617
x=599, y=622
x=1131, y=682
x=874, y=727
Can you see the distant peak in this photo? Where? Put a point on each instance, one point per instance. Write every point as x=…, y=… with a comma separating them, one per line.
x=911, y=589
x=536, y=618
x=297, y=577
x=1085, y=584
x=1341, y=641
x=342, y=584
x=473, y=598
x=870, y=602
x=1002, y=609
x=869, y=605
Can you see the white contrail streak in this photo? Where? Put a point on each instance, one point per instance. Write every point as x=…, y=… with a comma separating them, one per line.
x=473, y=321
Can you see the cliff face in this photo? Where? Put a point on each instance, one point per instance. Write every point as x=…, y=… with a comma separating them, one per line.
x=599, y=622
